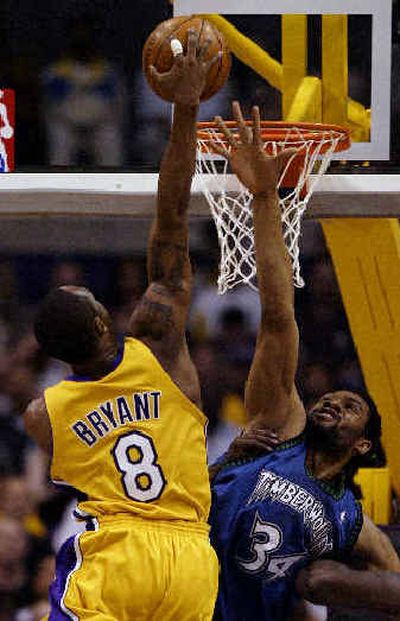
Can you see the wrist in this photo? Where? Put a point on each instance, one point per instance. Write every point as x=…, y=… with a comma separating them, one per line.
x=186, y=109
x=265, y=194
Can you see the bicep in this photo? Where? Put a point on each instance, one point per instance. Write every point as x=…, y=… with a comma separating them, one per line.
x=271, y=394
x=375, y=548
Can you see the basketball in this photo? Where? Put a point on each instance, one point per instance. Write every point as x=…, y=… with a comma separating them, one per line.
x=157, y=51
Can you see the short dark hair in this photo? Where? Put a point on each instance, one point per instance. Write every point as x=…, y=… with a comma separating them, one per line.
x=64, y=326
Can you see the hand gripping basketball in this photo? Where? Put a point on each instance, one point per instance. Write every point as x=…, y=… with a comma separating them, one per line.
x=169, y=42
x=185, y=81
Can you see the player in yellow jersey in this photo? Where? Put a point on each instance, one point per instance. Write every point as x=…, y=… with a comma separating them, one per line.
x=126, y=428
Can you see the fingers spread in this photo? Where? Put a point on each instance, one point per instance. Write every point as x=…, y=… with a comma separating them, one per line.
x=193, y=39
x=255, y=115
x=227, y=133
x=153, y=72
x=219, y=148
x=204, y=49
x=244, y=131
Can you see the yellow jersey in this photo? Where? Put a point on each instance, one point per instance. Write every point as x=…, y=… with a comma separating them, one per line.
x=131, y=441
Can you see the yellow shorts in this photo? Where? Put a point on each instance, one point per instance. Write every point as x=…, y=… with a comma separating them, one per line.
x=136, y=570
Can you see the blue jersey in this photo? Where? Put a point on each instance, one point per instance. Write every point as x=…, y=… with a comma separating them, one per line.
x=269, y=518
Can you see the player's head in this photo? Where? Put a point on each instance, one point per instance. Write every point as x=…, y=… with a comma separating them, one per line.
x=71, y=325
x=344, y=423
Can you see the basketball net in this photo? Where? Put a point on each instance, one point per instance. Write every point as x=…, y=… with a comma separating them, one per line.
x=231, y=208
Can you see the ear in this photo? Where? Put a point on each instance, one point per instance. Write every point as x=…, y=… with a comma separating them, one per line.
x=99, y=326
x=362, y=446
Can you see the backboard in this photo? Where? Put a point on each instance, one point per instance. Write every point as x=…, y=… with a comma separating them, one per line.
x=346, y=47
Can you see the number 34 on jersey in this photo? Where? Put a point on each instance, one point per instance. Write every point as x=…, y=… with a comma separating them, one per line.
x=265, y=541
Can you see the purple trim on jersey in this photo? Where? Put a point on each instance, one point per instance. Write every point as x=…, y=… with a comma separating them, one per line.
x=116, y=362
x=90, y=521
x=65, y=564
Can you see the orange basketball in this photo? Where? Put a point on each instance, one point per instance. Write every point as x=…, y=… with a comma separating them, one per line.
x=157, y=51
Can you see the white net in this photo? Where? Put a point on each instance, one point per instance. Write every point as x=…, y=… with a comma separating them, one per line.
x=231, y=209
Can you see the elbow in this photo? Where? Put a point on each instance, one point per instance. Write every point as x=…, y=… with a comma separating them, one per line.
x=390, y=554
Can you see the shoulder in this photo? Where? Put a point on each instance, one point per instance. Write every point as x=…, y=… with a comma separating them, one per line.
x=35, y=411
x=37, y=423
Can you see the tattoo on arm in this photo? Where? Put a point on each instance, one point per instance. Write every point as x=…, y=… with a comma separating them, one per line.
x=153, y=318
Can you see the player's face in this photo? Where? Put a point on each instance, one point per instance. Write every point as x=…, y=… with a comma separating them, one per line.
x=340, y=417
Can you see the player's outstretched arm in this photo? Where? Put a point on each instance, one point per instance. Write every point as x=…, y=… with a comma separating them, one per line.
x=271, y=395
x=162, y=313
x=375, y=548
x=376, y=588
x=334, y=584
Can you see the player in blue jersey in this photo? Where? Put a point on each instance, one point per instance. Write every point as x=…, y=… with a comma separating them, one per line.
x=274, y=513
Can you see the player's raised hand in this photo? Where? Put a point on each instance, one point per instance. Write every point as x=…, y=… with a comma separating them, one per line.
x=185, y=81
x=256, y=170
x=256, y=439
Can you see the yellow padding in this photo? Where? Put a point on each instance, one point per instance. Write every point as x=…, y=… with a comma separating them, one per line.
x=376, y=489
x=306, y=105
x=232, y=410
x=359, y=120
x=335, y=81
x=271, y=70
x=294, y=57
x=249, y=52
x=366, y=256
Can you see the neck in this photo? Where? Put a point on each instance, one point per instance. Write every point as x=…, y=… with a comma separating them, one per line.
x=324, y=465
x=100, y=364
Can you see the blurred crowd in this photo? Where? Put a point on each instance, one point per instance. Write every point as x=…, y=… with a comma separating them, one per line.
x=34, y=514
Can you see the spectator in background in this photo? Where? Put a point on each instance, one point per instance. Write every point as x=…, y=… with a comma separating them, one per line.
x=8, y=302
x=234, y=339
x=83, y=103
x=128, y=286
x=17, y=501
x=17, y=386
x=208, y=306
x=13, y=556
x=153, y=119
x=39, y=583
x=67, y=272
